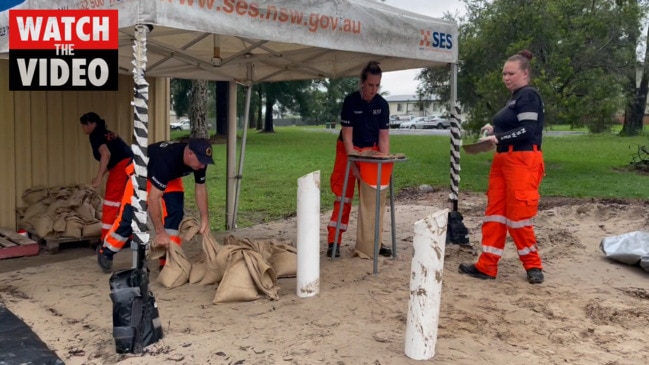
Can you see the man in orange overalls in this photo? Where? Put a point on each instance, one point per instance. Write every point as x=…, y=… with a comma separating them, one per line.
x=169, y=161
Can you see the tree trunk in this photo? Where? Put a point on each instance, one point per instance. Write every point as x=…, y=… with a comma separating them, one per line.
x=222, y=103
x=268, y=117
x=260, y=125
x=198, y=110
x=634, y=112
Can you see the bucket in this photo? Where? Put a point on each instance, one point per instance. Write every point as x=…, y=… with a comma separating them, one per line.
x=369, y=173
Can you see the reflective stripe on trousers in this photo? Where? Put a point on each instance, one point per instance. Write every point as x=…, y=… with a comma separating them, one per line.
x=337, y=181
x=512, y=202
x=172, y=213
x=115, y=184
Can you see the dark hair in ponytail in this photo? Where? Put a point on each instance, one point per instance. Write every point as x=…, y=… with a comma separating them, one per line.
x=373, y=68
x=523, y=57
x=92, y=117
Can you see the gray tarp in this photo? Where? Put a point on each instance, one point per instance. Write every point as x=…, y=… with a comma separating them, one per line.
x=630, y=248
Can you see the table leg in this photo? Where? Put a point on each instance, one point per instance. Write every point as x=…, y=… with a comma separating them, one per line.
x=377, y=218
x=340, y=210
x=394, y=231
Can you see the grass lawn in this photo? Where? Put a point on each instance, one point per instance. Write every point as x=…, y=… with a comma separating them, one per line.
x=576, y=166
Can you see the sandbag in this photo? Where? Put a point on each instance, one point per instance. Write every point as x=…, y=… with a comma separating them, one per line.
x=92, y=230
x=214, y=268
x=366, y=220
x=43, y=225
x=36, y=209
x=35, y=194
x=237, y=284
x=176, y=270
x=85, y=212
x=283, y=259
x=73, y=227
x=198, y=271
x=58, y=226
x=262, y=274
x=189, y=228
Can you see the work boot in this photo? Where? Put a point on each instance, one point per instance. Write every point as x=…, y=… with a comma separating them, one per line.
x=104, y=258
x=473, y=272
x=330, y=250
x=535, y=276
x=385, y=251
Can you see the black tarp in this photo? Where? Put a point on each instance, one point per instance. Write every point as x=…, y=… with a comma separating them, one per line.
x=20, y=345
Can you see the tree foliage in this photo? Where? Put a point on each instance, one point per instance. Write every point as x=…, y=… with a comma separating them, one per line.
x=290, y=95
x=583, y=51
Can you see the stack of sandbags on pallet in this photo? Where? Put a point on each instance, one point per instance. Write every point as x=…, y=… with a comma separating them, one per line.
x=72, y=211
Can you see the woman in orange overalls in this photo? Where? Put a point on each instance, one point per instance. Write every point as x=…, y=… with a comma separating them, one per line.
x=515, y=176
x=113, y=155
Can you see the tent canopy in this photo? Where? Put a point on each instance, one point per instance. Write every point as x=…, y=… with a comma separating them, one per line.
x=270, y=40
x=257, y=41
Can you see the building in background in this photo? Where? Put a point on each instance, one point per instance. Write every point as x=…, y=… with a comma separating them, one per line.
x=404, y=105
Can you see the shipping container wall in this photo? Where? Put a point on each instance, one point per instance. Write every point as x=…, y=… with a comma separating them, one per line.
x=41, y=142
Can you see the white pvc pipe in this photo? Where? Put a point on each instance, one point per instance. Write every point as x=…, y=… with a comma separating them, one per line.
x=308, y=235
x=426, y=285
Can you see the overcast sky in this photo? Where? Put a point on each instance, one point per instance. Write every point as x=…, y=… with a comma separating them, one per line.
x=403, y=82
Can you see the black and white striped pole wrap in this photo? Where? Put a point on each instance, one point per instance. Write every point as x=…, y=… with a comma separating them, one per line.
x=456, y=231
x=140, y=143
x=456, y=142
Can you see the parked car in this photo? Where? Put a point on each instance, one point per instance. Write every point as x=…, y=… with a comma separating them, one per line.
x=396, y=120
x=415, y=123
x=181, y=125
x=437, y=122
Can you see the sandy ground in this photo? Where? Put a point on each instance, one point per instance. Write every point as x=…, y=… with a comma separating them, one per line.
x=589, y=310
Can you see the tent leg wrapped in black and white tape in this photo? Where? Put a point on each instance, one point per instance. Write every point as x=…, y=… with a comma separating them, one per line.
x=456, y=231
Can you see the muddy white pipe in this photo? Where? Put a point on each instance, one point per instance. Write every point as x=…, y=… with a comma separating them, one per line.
x=426, y=285
x=308, y=235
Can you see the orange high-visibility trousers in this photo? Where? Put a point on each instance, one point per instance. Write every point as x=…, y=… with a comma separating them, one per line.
x=115, y=185
x=172, y=213
x=337, y=180
x=512, y=202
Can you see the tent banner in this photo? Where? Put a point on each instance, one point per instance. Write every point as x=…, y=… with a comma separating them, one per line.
x=353, y=25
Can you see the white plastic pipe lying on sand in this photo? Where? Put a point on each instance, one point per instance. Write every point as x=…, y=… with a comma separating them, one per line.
x=426, y=285
x=308, y=235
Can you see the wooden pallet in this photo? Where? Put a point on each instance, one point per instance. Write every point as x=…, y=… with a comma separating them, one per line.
x=53, y=244
x=14, y=245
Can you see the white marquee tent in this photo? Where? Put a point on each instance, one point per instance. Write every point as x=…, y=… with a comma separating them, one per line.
x=249, y=42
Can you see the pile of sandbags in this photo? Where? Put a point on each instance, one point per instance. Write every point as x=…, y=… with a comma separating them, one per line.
x=242, y=269
x=72, y=211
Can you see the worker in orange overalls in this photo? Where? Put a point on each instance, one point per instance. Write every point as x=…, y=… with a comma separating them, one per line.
x=113, y=155
x=515, y=176
x=169, y=161
x=365, y=123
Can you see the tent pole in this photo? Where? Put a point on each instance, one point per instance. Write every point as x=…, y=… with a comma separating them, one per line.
x=242, y=154
x=231, y=155
x=139, y=147
x=456, y=232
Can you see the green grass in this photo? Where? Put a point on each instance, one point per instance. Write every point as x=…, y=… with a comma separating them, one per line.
x=576, y=166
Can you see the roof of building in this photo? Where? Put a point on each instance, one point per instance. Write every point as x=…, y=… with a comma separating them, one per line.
x=411, y=98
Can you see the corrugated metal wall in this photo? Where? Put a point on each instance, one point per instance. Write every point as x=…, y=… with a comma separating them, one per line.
x=41, y=142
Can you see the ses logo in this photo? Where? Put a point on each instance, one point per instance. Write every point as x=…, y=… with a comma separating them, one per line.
x=63, y=50
x=431, y=40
